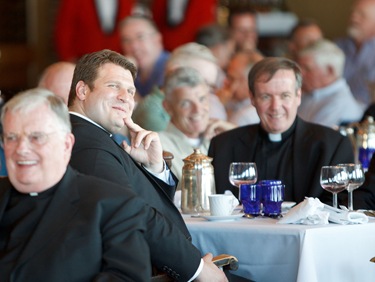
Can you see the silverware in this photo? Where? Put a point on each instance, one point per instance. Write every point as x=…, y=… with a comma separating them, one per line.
x=370, y=213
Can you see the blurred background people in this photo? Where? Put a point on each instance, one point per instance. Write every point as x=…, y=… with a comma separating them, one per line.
x=304, y=33
x=218, y=39
x=57, y=78
x=359, y=49
x=141, y=40
x=238, y=105
x=243, y=26
x=93, y=23
x=326, y=98
x=179, y=21
x=187, y=103
x=282, y=145
x=150, y=113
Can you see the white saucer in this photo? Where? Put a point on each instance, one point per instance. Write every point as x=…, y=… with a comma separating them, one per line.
x=223, y=218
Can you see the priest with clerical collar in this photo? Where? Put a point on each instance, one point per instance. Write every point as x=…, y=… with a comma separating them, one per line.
x=283, y=146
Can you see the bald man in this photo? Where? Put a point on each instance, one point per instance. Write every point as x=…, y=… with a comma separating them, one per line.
x=58, y=78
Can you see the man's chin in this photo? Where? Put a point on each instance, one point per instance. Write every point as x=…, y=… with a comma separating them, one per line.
x=354, y=33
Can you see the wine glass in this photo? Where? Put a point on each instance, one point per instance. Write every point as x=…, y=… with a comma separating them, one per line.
x=334, y=179
x=242, y=173
x=356, y=177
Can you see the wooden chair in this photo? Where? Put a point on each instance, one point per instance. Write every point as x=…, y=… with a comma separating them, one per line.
x=168, y=157
x=227, y=262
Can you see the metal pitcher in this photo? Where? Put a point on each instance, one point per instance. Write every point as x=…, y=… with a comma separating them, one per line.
x=362, y=136
x=197, y=183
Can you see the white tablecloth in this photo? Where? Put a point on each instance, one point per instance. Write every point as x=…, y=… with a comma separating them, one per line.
x=268, y=251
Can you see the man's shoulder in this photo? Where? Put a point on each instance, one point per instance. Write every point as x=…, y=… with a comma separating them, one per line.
x=237, y=132
x=88, y=133
x=96, y=187
x=318, y=131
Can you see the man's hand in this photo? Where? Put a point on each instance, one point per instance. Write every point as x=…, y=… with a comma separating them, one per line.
x=217, y=126
x=210, y=271
x=145, y=147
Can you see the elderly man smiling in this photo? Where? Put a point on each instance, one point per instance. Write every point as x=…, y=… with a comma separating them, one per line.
x=187, y=103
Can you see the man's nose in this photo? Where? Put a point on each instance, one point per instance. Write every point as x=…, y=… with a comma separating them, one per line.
x=22, y=144
x=275, y=103
x=125, y=96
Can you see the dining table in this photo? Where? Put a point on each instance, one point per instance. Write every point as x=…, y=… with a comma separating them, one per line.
x=270, y=251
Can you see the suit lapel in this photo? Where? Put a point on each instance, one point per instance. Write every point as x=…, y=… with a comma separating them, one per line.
x=144, y=171
x=247, y=143
x=59, y=212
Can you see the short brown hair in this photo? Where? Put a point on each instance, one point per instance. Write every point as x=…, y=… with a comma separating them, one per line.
x=269, y=66
x=87, y=68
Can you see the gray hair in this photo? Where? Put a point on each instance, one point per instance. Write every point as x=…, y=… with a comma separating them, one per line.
x=326, y=53
x=30, y=99
x=137, y=17
x=212, y=35
x=182, y=77
x=269, y=66
x=187, y=51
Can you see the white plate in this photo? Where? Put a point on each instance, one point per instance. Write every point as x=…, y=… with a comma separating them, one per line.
x=287, y=205
x=223, y=218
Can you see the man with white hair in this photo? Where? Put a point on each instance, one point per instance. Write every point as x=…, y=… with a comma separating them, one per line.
x=150, y=113
x=326, y=98
x=359, y=48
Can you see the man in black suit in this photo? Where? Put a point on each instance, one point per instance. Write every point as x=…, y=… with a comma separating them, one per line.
x=82, y=227
x=101, y=101
x=283, y=146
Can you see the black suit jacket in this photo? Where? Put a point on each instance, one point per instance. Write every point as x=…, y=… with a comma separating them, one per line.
x=93, y=230
x=313, y=147
x=95, y=153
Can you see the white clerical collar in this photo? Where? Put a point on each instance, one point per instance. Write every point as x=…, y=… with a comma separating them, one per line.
x=91, y=121
x=275, y=137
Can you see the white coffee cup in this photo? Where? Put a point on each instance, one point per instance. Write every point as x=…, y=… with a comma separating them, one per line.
x=222, y=204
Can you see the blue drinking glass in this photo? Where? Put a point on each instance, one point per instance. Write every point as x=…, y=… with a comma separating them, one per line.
x=272, y=197
x=251, y=196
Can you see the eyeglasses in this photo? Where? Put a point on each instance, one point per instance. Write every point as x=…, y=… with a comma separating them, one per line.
x=35, y=138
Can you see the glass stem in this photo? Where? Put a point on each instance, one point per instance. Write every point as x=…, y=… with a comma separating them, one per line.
x=334, y=197
x=350, y=200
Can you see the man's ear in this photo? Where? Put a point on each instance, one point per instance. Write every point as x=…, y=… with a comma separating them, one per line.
x=252, y=98
x=81, y=89
x=167, y=107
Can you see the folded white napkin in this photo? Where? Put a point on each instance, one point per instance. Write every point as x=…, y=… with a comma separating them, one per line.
x=310, y=212
x=313, y=211
x=345, y=217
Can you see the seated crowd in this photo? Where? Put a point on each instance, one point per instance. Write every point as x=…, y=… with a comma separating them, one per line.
x=84, y=150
